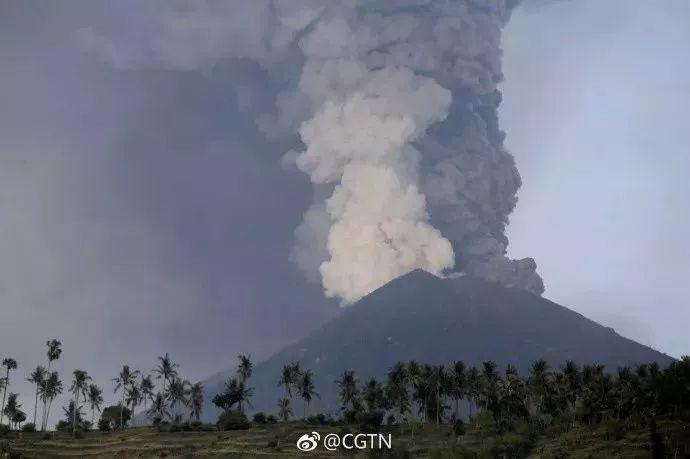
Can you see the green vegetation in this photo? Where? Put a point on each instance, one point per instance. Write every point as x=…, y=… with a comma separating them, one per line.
x=430, y=410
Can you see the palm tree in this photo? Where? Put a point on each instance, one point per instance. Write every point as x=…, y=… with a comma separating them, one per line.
x=12, y=408
x=348, y=393
x=133, y=398
x=159, y=408
x=79, y=387
x=95, y=399
x=459, y=385
x=54, y=352
x=287, y=380
x=37, y=377
x=52, y=387
x=125, y=379
x=10, y=364
x=176, y=394
x=146, y=388
x=372, y=394
x=396, y=388
x=245, y=368
x=474, y=384
x=305, y=386
x=166, y=370
x=284, y=409
x=196, y=400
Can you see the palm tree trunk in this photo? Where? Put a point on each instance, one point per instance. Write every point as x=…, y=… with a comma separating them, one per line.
x=36, y=405
x=74, y=414
x=122, y=408
x=4, y=393
x=93, y=412
x=48, y=412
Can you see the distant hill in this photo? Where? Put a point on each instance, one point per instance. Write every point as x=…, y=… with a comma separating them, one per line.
x=421, y=317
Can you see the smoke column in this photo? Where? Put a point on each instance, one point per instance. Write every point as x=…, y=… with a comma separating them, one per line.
x=392, y=108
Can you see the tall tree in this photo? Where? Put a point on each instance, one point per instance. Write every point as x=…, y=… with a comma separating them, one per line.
x=176, y=394
x=397, y=390
x=146, y=388
x=123, y=382
x=12, y=408
x=54, y=352
x=80, y=386
x=95, y=399
x=196, y=400
x=306, y=389
x=166, y=369
x=284, y=409
x=244, y=368
x=37, y=377
x=459, y=385
x=133, y=398
x=159, y=408
x=52, y=387
x=348, y=393
x=10, y=364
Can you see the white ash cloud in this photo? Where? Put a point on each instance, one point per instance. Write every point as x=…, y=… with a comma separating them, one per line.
x=392, y=108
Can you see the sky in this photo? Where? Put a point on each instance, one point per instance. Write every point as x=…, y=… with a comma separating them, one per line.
x=142, y=211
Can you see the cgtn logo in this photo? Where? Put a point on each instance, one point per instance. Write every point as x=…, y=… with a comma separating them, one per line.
x=308, y=442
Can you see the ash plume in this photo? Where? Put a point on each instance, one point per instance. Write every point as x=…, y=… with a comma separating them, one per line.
x=392, y=111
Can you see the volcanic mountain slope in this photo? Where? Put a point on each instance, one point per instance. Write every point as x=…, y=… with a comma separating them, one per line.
x=431, y=320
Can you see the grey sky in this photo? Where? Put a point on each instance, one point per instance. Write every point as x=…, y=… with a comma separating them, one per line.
x=596, y=97
x=142, y=212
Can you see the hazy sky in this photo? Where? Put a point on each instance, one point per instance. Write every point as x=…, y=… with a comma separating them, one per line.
x=142, y=212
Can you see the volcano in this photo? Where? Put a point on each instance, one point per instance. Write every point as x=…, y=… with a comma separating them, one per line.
x=431, y=320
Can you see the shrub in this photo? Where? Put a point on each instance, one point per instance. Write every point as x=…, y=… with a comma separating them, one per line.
x=318, y=419
x=260, y=418
x=78, y=434
x=197, y=425
x=271, y=419
x=390, y=420
x=174, y=427
x=29, y=427
x=350, y=416
x=459, y=427
x=103, y=425
x=233, y=420
x=370, y=421
x=4, y=428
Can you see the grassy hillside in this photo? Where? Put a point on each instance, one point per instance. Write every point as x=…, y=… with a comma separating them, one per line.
x=418, y=441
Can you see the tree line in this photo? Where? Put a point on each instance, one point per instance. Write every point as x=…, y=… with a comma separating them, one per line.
x=175, y=398
x=410, y=391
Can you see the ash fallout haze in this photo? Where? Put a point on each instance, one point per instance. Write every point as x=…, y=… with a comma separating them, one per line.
x=213, y=178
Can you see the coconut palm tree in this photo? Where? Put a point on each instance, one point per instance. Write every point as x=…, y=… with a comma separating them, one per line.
x=166, y=369
x=52, y=387
x=80, y=386
x=287, y=380
x=459, y=385
x=306, y=389
x=146, y=388
x=95, y=399
x=133, y=398
x=284, y=409
x=176, y=394
x=348, y=392
x=474, y=384
x=54, y=352
x=37, y=377
x=9, y=364
x=245, y=368
x=124, y=380
x=396, y=389
x=196, y=400
x=12, y=408
x=159, y=408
